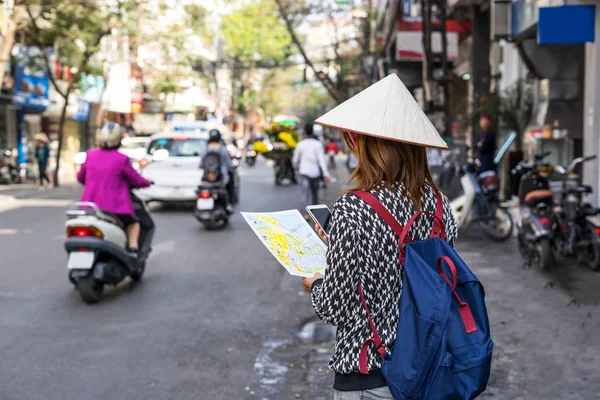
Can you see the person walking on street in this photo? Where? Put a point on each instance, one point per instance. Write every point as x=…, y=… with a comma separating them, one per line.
x=42, y=155
x=486, y=147
x=309, y=160
x=362, y=248
x=352, y=163
x=332, y=151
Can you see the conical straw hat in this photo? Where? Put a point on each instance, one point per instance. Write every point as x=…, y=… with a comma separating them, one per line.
x=41, y=137
x=386, y=110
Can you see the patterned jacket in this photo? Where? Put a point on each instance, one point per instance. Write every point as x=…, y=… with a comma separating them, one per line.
x=362, y=248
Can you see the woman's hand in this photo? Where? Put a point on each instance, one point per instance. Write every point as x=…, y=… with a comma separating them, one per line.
x=321, y=233
x=308, y=282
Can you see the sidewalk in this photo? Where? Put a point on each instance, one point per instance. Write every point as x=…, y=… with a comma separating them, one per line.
x=546, y=347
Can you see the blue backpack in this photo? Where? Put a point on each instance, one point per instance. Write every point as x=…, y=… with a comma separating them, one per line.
x=443, y=348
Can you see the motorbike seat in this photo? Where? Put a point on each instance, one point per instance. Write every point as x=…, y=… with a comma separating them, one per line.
x=536, y=197
x=581, y=189
x=112, y=218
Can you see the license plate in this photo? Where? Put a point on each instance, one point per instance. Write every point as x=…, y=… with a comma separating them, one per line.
x=81, y=260
x=205, y=204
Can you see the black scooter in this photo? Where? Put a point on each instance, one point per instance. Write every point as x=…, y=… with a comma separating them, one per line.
x=250, y=155
x=535, y=229
x=214, y=205
x=96, y=244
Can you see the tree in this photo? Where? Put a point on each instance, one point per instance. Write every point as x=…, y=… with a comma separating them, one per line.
x=74, y=30
x=9, y=24
x=255, y=41
x=338, y=75
x=169, y=52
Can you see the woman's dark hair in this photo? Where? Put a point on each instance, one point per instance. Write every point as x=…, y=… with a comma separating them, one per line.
x=390, y=163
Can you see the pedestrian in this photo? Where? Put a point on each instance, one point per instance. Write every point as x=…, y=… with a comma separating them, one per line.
x=351, y=163
x=309, y=160
x=392, y=166
x=332, y=151
x=42, y=155
x=486, y=146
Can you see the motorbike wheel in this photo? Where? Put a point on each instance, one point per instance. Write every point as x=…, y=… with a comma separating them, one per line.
x=213, y=226
x=137, y=275
x=524, y=249
x=590, y=255
x=500, y=227
x=543, y=255
x=251, y=161
x=90, y=290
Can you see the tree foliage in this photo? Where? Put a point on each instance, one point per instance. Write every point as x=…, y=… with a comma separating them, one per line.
x=255, y=33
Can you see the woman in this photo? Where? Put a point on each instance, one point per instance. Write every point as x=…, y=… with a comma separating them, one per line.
x=42, y=155
x=107, y=176
x=361, y=246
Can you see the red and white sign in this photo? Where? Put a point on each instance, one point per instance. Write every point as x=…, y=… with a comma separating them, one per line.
x=409, y=45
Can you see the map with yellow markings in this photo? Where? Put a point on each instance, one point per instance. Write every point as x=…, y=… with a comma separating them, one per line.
x=291, y=240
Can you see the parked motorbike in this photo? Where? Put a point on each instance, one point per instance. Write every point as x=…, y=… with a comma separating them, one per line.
x=480, y=201
x=535, y=228
x=9, y=173
x=97, y=247
x=213, y=205
x=250, y=155
x=577, y=223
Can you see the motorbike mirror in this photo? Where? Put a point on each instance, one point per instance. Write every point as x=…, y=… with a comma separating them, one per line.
x=79, y=158
x=160, y=155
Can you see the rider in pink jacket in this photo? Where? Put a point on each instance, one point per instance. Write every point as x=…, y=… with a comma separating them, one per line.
x=107, y=176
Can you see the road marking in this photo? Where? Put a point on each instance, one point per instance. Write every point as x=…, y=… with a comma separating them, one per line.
x=8, y=231
x=8, y=203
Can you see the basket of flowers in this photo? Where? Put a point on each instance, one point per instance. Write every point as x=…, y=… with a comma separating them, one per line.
x=278, y=145
x=279, y=142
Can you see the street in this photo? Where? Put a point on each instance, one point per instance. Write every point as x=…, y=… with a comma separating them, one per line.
x=216, y=317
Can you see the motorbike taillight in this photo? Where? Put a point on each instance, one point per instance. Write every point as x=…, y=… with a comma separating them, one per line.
x=84, y=231
x=205, y=194
x=544, y=221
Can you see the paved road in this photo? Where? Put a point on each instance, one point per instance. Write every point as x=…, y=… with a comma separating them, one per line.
x=192, y=329
x=217, y=318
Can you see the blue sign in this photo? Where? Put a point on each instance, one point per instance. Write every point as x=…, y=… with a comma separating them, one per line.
x=31, y=79
x=31, y=88
x=83, y=110
x=566, y=24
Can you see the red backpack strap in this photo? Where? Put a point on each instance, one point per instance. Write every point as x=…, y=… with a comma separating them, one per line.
x=363, y=359
x=438, y=230
x=438, y=221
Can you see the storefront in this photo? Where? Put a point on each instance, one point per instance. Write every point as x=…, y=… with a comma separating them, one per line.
x=557, y=43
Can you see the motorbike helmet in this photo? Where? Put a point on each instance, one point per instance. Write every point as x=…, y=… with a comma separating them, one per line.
x=214, y=136
x=109, y=135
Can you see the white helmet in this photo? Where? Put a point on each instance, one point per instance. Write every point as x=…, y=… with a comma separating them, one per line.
x=109, y=135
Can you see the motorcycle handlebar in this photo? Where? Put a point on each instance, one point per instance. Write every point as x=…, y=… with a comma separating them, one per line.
x=580, y=160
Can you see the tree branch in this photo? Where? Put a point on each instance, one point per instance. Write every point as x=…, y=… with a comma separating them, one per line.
x=34, y=38
x=320, y=75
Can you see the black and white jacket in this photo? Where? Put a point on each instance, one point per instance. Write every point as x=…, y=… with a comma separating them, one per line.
x=362, y=248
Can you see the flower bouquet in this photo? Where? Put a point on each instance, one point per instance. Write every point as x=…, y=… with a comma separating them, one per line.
x=279, y=142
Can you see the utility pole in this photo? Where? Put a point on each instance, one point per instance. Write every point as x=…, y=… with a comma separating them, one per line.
x=436, y=78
